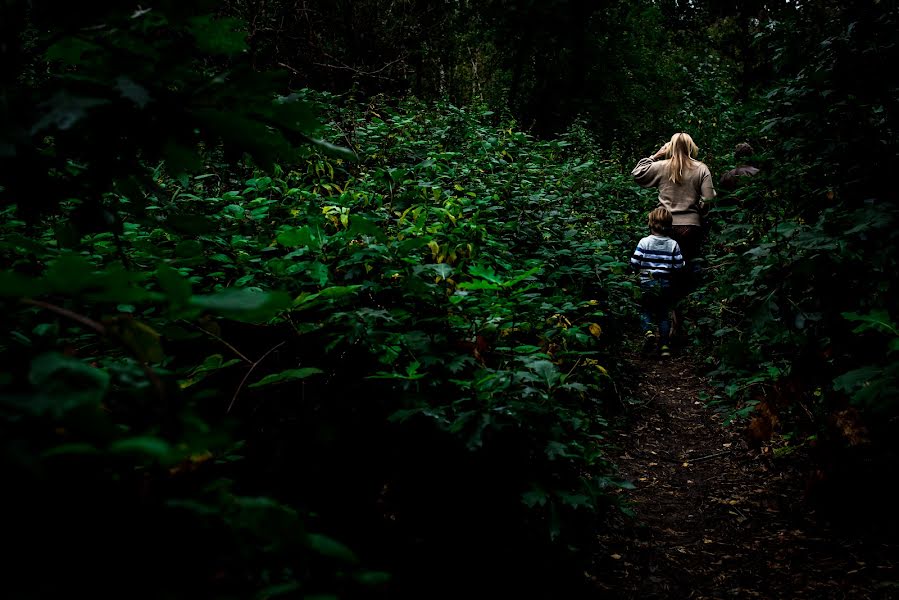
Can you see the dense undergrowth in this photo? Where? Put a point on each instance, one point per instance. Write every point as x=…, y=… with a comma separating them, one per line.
x=404, y=363
x=804, y=323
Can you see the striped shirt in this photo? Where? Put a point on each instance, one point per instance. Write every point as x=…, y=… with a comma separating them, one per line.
x=657, y=257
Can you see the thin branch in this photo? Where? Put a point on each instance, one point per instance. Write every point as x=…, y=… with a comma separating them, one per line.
x=104, y=332
x=288, y=67
x=346, y=67
x=576, y=363
x=65, y=312
x=214, y=336
x=708, y=457
x=247, y=376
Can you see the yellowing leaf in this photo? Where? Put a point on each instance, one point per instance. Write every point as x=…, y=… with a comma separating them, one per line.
x=595, y=330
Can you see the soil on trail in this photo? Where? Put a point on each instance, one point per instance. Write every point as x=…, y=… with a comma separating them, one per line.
x=715, y=519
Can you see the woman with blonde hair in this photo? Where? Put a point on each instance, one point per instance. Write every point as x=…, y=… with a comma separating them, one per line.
x=684, y=185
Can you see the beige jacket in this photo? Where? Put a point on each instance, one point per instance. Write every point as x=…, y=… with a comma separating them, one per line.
x=683, y=198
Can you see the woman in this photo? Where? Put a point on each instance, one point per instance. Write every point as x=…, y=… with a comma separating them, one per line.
x=684, y=184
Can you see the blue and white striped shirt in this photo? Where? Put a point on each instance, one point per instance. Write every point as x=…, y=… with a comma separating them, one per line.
x=656, y=257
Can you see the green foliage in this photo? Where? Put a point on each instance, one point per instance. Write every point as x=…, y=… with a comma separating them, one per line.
x=435, y=325
x=126, y=86
x=804, y=290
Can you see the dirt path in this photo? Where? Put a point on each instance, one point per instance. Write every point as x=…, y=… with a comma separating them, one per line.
x=716, y=520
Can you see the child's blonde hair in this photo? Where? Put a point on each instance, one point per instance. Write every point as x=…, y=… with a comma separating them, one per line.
x=660, y=220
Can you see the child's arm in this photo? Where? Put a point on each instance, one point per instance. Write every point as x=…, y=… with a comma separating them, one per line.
x=678, y=261
x=635, y=259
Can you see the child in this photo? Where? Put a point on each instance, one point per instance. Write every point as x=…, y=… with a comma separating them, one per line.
x=657, y=258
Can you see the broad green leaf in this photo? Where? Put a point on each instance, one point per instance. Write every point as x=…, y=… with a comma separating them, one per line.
x=301, y=237
x=176, y=287
x=372, y=577
x=331, y=548
x=74, y=449
x=337, y=292
x=14, y=285
x=852, y=380
x=63, y=111
x=876, y=319
x=318, y=272
x=64, y=383
x=288, y=375
x=189, y=248
x=294, y=113
x=289, y=588
x=243, y=304
x=334, y=150
x=485, y=272
x=150, y=446
x=142, y=339
x=69, y=274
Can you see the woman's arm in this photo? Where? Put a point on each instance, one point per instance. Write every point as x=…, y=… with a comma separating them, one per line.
x=644, y=173
x=706, y=188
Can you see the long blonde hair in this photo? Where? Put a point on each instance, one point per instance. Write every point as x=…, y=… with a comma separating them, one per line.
x=680, y=150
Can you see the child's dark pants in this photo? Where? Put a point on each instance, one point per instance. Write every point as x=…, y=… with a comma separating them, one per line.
x=657, y=300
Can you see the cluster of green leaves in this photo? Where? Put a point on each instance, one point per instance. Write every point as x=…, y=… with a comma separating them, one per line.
x=417, y=349
x=805, y=313
x=120, y=86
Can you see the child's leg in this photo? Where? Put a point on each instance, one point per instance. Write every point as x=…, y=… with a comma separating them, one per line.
x=649, y=302
x=667, y=301
x=664, y=325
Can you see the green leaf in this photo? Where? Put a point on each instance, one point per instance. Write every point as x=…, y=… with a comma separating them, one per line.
x=855, y=379
x=442, y=270
x=576, y=500
x=485, y=272
x=301, y=236
x=14, y=285
x=331, y=548
x=190, y=224
x=74, y=449
x=219, y=36
x=335, y=151
x=547, y=371
x=361, y=226
x=278, y=590
x=189, y=248
x=288, y=375
x=294, y=113
x=69, y=274
x=244, y=304
x=372, y=577
x=141, y=338
x=150, y=446
x=64, y=383
x=534, y=498
x=318, y=272
x=307, y=301
x=133, y=91
x=63, y=111
x=876, y=319
x=175, y=286
x=69, y=50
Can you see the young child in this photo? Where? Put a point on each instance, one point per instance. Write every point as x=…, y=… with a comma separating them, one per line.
x=657, y=258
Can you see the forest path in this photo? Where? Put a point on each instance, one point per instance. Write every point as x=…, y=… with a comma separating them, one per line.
x=715, y=519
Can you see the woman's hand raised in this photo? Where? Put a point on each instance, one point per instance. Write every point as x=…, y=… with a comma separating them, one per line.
x=662, y=151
